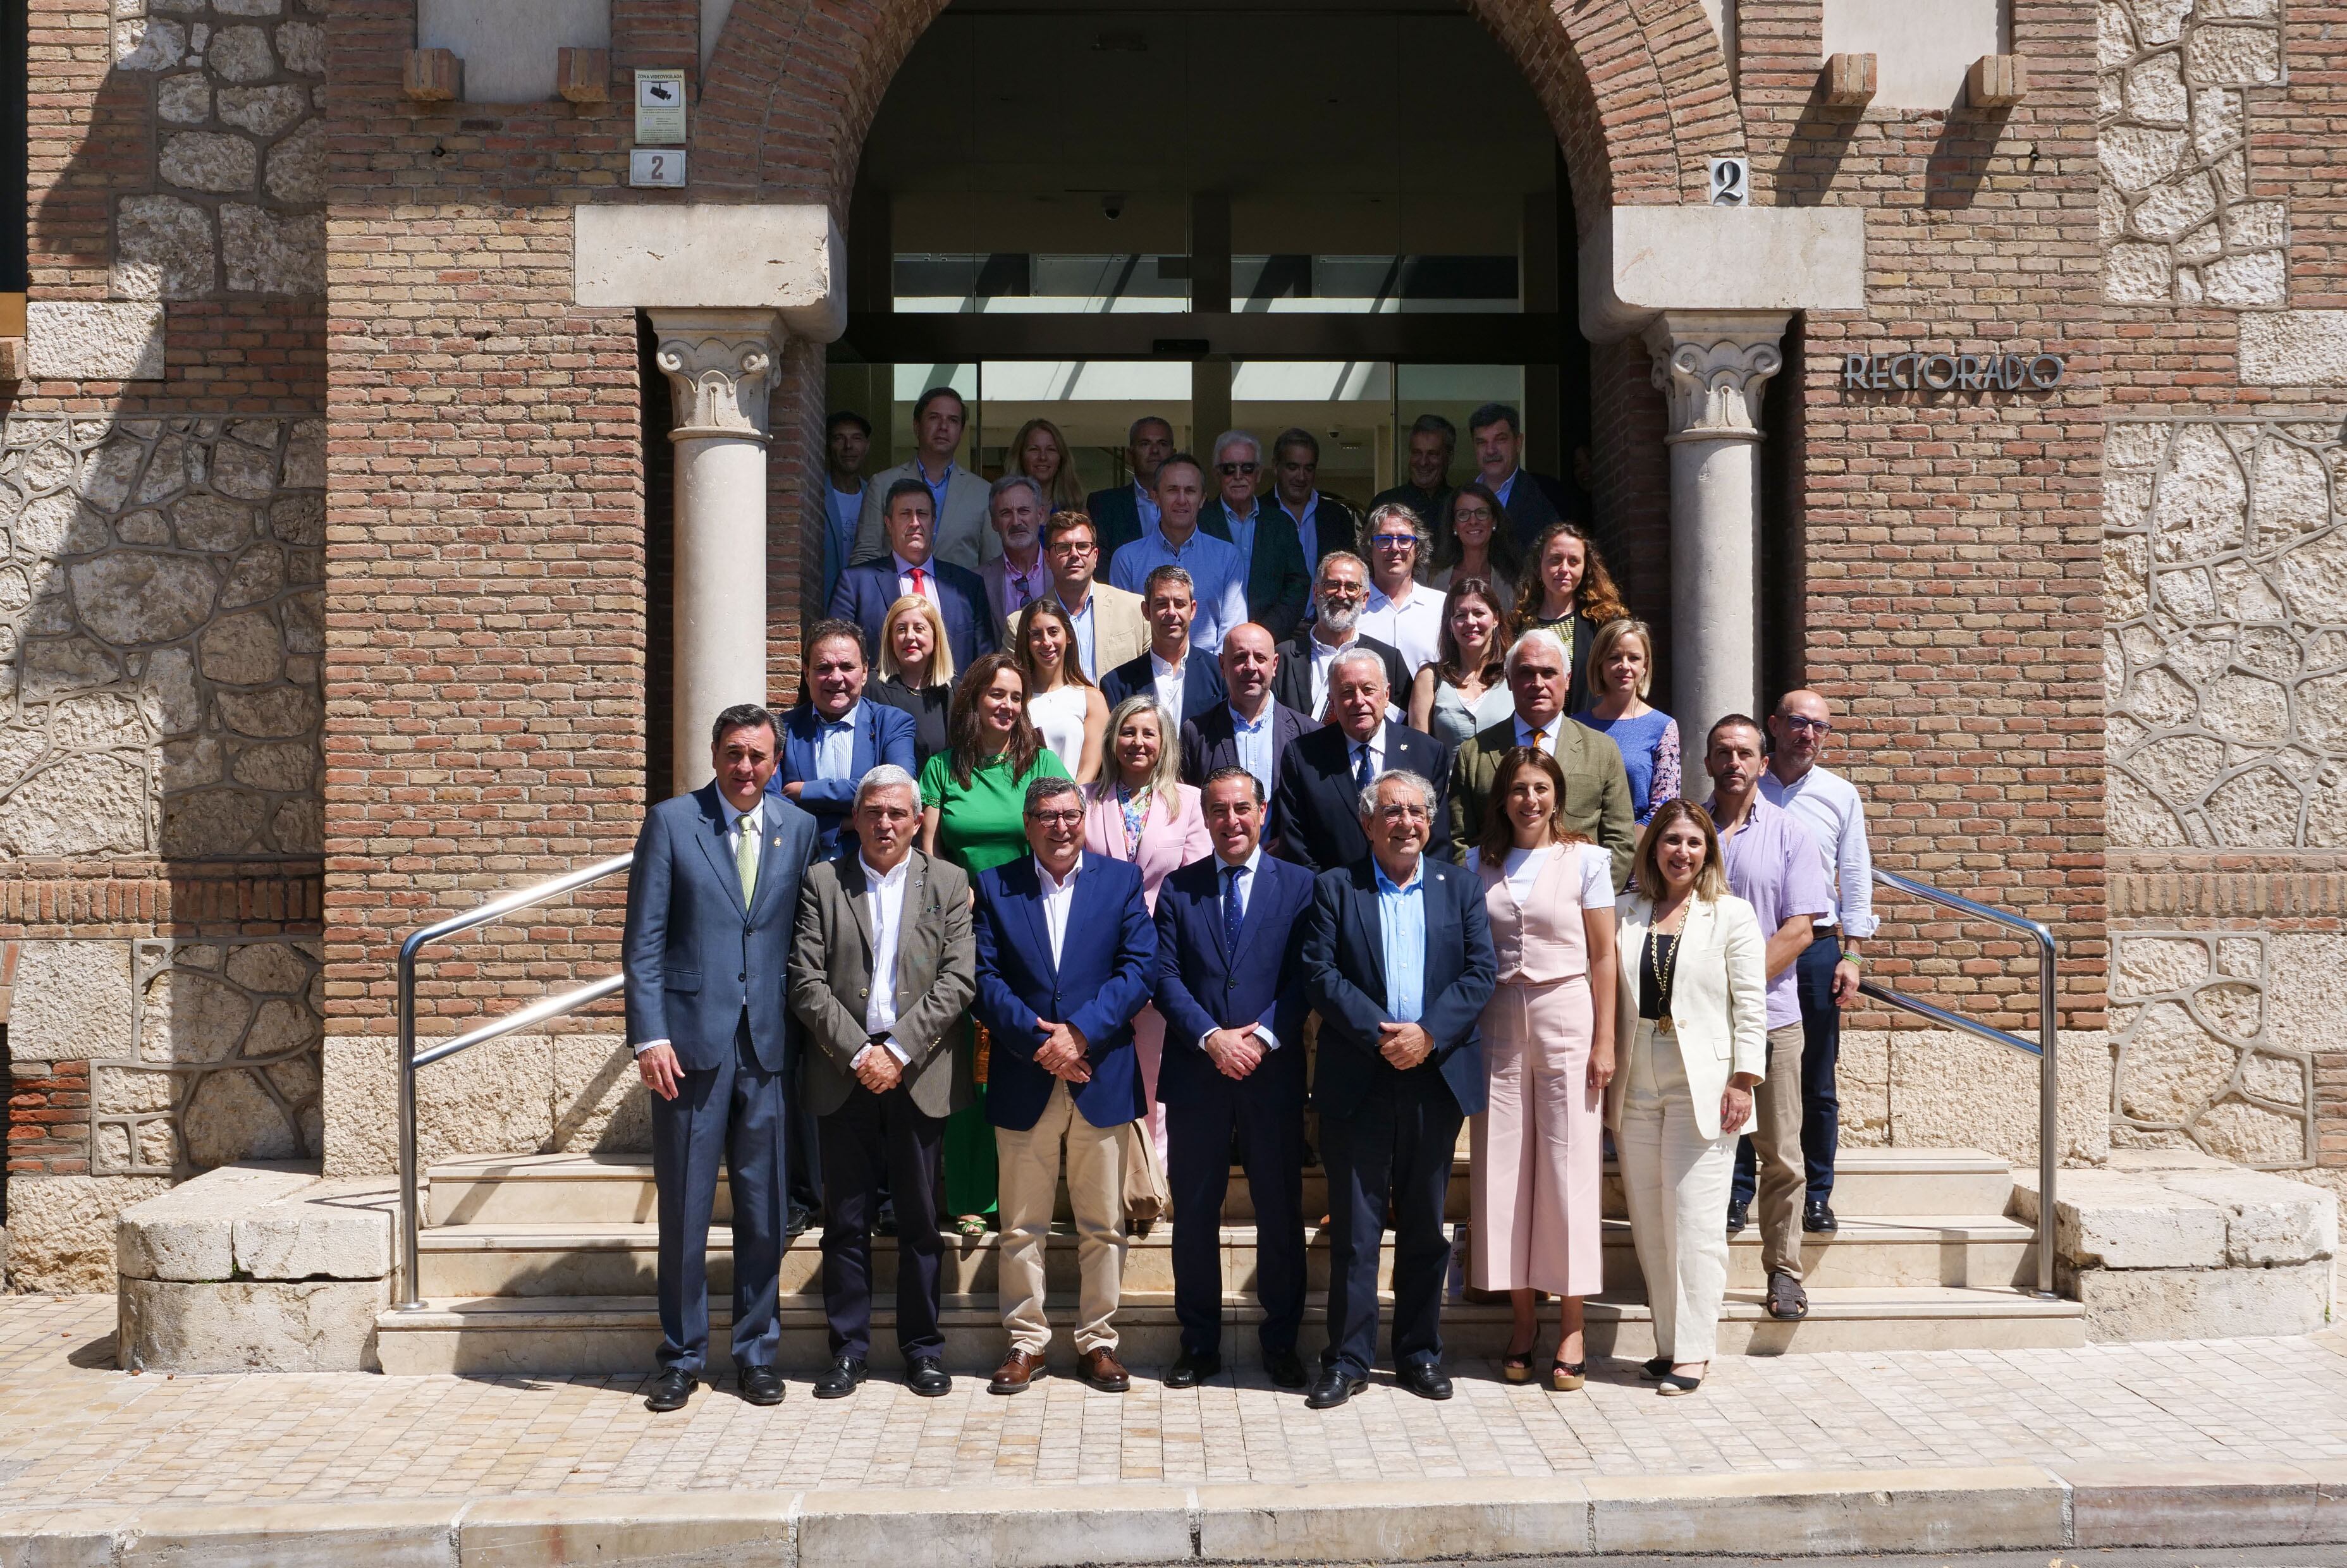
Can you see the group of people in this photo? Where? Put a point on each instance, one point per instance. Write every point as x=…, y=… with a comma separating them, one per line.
x=1018, y=894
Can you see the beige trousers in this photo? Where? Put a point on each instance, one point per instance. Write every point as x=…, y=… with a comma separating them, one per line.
x=1780, y=1177
x=1674, y=1182
x=1030, y=1163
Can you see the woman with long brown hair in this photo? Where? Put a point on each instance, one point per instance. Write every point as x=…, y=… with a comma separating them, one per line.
x=1465, y=690
x=1043, y=454
x=1473, y=539
x=1567, y=589
x=1062, y=704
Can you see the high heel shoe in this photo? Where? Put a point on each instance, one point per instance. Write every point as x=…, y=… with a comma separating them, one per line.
x=1516, y=1366
x=1564, y=1376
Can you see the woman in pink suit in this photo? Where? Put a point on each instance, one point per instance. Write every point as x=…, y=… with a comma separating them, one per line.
x=1139, y=811
x=1548, y=1054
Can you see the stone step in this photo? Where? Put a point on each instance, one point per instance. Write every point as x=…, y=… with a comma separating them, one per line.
x=522, y=1260
x=602, y=1336
x=598, y=1189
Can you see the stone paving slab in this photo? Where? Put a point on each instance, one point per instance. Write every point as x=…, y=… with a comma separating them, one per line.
x=2218, y=1442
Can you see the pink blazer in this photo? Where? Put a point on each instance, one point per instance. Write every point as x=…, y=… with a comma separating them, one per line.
x=1165, y=846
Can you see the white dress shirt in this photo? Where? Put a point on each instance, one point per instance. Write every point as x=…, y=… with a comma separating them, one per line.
x=1376, y=744
x=835, y=743
x=1247, y=868
x=1169, y=679
x=1324, y=660
x=737, y=822
x=1411, y=625
x=1828, y=804
x=886, y=908
x=1059, y=898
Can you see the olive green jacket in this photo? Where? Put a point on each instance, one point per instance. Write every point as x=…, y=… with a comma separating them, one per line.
x=1596, y=789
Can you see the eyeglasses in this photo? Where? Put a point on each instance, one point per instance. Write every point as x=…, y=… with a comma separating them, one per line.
x=1056, y=818
x=1800, y=722
x=1229, y=469
x=1471, y=515
x=1394, y=542
x=1074, y=547
x=1403, y=812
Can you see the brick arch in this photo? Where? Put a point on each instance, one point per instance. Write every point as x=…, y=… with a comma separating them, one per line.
x=1636, y=89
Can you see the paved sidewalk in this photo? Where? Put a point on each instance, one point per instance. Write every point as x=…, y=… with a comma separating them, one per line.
x=74, y=1431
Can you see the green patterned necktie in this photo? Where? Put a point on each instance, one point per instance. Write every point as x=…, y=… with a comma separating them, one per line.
x=745, y=857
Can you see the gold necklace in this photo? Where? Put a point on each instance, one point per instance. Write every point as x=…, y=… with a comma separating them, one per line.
x=1664, y=974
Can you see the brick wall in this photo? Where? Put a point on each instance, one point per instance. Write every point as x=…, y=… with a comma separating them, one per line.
x=48, y=1118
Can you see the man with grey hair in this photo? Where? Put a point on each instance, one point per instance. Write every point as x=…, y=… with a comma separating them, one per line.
x=1315, y=796
x=1341, y=591
x=1277, y=580
x=1397, y=961
x=1401, y=613
x=1596, y=786
x=1018, y=508
x=882, y=967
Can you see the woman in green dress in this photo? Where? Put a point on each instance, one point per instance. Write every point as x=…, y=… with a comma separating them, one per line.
x=973, y=799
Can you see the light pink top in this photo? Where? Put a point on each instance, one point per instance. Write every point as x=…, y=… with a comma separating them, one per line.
x=1537, y=930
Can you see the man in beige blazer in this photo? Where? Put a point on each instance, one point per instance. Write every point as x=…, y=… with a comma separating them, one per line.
x=1596, y=786
x=881, y=966
x=1109, y=626
x=963, y=537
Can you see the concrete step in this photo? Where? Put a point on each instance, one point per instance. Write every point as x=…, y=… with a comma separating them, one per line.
x=602, y=1336
x=540, y=1260
x=599, y=1189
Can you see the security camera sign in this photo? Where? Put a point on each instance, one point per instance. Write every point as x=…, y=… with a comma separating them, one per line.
x=660, y=108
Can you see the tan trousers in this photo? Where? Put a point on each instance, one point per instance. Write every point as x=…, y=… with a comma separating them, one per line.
x=1031, y=1164
x=1781, y=1178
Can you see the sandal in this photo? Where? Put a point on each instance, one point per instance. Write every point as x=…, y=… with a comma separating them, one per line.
x=1788, y=1302
x=970, y=1227
x=1564, y=1376
x=1516, y=1366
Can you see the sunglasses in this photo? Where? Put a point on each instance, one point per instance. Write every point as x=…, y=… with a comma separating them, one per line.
x=1229, y=469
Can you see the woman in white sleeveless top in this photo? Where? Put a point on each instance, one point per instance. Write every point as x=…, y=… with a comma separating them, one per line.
x=1548, y=1054
x=1066, y=709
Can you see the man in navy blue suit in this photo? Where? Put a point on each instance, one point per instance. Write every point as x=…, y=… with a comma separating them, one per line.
x=1230, y=931
x=714, y=893
x=835, y=737
x=1314, y=803
x=1183, y=678
x=1248, y=728
x=1397, y=961
x=1065, y=955
x=908, y=515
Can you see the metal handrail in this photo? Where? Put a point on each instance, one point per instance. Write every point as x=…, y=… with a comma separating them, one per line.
x=410, y=1059
x=2048, y=1080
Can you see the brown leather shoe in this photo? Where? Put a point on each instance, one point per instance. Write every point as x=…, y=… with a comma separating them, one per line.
x=1018, y=1370
x=1102, y=1371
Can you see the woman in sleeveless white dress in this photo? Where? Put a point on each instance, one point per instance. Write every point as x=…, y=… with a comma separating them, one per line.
x=1063, y=704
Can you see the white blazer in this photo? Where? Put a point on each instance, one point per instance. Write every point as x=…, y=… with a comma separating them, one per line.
x=1719, y=998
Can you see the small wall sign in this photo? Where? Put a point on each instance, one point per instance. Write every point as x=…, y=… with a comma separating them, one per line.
x=660, y=108
x=1921, y=370
x=1731, y=182
x=657, y=165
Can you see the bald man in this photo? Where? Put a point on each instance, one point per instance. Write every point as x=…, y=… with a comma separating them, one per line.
x=1249, y=728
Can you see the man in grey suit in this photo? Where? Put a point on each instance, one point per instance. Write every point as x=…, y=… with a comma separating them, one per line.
x=713, y=891
x=881, y=968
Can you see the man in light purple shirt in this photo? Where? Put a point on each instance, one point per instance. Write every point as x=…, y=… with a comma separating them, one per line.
x=1772, y=864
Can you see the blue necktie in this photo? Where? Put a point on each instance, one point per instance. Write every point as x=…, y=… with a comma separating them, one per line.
x=1361, y=774
x=1232, y=913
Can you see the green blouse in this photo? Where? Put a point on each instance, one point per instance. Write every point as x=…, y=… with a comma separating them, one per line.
x=983, y=823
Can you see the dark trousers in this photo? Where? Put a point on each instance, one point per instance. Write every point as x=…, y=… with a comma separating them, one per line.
x=873, y=1141
x=1396, y=1144
x=729, y=1115
x=1813, y=974
x=1198, y=1135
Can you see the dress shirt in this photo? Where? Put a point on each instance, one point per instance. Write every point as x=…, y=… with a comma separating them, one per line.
x=737, y=822
x=1252, y=740
x=1375, y=745
x=1307, y=532
x=1021, y=588
x=888, y=911
x=1412, y=626
x=1247, y=868
x=835, y=743
x=1773, y=864
x=1084, y=621
x=1401, y=927
x=1169, y=679
x=1827, y=805
x=1548, y=733
x=1243, y=530
x=928, y=571
x=1506, y=488
x=842, y=510
x=938, y=487
x=1218, y=575
x=1059, y=898
x=1323, y=661
x=1145, y=507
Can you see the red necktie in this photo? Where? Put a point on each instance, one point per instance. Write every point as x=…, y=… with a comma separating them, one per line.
x=917, y=586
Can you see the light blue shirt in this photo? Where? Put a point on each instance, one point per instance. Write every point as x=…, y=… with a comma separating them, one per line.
x=835, y=745
x=1307, y=532
x=841, y=512
x=1505, y=490
x=1145, y=505
x=1401, y=923
x=1254, y=742
x=937, y=491
x=1083, y=622
x=1243, y=528
x=1217, y=570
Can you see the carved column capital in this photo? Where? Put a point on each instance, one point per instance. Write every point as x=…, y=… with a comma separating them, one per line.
x=721, y=367
x=1710, y=366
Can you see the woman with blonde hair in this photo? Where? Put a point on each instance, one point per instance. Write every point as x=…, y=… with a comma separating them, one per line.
x=1620, y=671
x=1066, y=709
x=916, y=671
x=1043, y=454
x=1691, y=1039
x=1567, y=589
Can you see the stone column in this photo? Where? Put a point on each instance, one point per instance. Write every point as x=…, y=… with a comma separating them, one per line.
x=721, y=367
x=1709, y=367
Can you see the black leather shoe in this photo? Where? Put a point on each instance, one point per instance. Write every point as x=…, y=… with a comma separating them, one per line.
x=839, y=1379
x=1335, y=1386
x=670, y=1389
x=1287, y=1369
x=1188, y=1371
x=1735, y=1217
x=801, y=1219
x=925, y=1378
x=1818, y=1215
x=762, y=1385
x=1425, y=1380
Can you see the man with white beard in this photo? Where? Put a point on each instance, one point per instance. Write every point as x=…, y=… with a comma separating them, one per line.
x=1339, y=593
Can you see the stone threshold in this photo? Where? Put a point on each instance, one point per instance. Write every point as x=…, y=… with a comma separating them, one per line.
x=2086, y=1506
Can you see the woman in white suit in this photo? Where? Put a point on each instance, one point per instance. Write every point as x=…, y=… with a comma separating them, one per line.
x=1692, y=1039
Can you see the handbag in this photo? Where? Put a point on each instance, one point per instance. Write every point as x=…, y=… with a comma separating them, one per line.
x=1146, y=1196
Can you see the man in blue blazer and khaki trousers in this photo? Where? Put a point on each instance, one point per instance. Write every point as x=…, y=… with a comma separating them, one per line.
x=1398, y=960
x=1065, y=955
x=712, y=899
x=1230, y=932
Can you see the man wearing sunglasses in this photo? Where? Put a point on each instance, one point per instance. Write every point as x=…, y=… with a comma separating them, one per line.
x=1826, y=974
x=1277, y=580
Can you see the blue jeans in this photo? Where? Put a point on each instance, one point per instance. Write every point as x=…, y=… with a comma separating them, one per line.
x=1813, y=974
